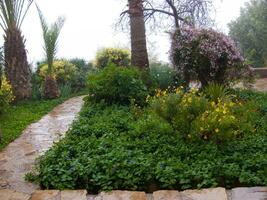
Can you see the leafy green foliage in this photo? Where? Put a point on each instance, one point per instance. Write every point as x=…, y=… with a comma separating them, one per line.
x=6, y=95
x=114, y=147
x=250, y=32
x=216, y=91
x=117, y=85
x=195, y=117
x=63, y=70
x=107, y=56
x=83, y=70
x=71, y=75
x=162, y=74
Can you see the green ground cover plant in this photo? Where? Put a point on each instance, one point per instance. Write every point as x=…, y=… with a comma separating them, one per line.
x=162, y=145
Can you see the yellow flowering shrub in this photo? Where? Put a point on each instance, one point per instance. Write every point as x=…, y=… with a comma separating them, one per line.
x=6, y=95
x=117, y=56
x=194, y=116
x=63, y=70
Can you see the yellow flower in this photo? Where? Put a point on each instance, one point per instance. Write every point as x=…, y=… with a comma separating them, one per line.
x=147, y=98
x=231, y=104
x=217, y=130
x=190, y=100
x=164, y=93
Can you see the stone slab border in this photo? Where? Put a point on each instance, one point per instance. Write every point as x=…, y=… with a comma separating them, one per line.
x=254, y=193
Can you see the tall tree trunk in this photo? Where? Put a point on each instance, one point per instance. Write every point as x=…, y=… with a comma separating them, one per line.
x=138, y=34
x=16, y=64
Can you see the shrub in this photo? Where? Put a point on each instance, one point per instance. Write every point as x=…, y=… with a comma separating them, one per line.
x=6, y=95
x=63, y=70
x=117, y=85
x=36, y=86
x=195, y=117
x=83, y=70
x=119, y=57
x=208, y=56
x=163, y=74
x=216, y=91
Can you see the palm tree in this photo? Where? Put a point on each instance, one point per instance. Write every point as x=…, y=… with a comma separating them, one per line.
x=1, y=66
x=50, y=36
x=12, y=14
x=138, y=34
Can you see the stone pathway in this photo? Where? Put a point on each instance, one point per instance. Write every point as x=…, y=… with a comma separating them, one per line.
x=255, y=193
x=19, y=156
x=261, y=85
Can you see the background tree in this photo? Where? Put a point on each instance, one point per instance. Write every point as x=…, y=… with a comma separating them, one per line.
x=12, y=14
x=250, y=32
x=174, y=13
x=50, y=36
x=178, y=12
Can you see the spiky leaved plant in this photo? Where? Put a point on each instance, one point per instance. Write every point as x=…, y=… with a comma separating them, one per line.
x=50, y=36
x=12, y=14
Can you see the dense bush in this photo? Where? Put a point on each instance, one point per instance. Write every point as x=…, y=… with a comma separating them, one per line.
x=162, y=74
x=116, y=147
x=71, y=75
x=6, y=95
x=195, y=117
x=117, y=85
x=119, y=57
x=207, y=55
x=63, y=70
x=83, y=70
x=36, y=86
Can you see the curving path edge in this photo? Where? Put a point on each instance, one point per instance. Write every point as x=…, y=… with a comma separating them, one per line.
x=19, y=156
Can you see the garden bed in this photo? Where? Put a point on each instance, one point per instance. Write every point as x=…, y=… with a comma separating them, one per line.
x=162, y=145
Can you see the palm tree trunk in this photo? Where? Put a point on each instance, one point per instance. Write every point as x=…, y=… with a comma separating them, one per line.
x=16, y=64
x=138, y=34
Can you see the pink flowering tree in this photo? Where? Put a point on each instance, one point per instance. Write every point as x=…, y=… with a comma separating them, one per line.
x=207, y=56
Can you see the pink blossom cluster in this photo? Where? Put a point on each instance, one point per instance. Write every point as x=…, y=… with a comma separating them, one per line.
x=206, y=54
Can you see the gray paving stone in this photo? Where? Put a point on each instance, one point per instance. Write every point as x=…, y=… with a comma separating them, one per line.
x=205, y=194
x=121, y=195
x=13, y=195
x=46, y=195
x=167, y=195
x=255, y=193
x=73, y=195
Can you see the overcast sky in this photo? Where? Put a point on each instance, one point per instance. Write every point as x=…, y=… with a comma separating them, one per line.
x=89, y=26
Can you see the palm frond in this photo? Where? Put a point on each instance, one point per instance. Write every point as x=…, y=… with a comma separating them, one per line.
x=13, y=12
x=50, y=36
